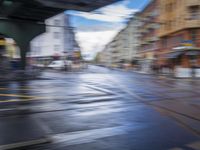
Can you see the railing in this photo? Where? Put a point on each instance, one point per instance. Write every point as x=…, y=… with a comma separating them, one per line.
x=192, y=23
x=192, y=2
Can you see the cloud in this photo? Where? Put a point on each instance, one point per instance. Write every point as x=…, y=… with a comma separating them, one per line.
x=93, y=42
x=92, y=38
x=112, y=13
x=100, y=27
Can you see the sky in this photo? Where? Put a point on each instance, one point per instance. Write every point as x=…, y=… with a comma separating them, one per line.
x=96, y=29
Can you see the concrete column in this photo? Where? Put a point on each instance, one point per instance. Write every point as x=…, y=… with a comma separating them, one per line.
x=22, y=32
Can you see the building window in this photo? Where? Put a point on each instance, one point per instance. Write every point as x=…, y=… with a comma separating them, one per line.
x=57, y=22
x=169, y=7
x=168, y=25
x=56, y=47
x=36, y=50
x=193, y=34
x=164, y=42
x=194, y=12
x=48, y=29
x=56, y=35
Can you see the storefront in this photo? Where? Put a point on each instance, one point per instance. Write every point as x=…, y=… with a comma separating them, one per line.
x=146, y=62
x=184, y=61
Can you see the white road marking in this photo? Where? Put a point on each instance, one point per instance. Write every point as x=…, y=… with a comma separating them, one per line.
x=24, y=144
x=87, y=136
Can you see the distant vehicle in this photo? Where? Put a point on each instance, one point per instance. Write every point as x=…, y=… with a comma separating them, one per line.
x=38, y=65
x=60, y=64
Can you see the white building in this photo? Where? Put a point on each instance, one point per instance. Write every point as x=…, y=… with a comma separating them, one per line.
x=124, y=46
x=131, y=39
x=57, y=41
x=105, y=57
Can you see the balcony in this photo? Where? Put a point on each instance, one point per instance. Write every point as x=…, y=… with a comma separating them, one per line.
x=143, y=43
x=192, y=3
x=192, y=23
x=153, y=26
x=115, y=52
x=143, y=30
x=153, y=39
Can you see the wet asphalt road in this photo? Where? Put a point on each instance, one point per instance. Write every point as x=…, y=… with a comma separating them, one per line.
x=103, y=109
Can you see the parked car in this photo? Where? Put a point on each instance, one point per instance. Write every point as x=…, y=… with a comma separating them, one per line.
x=60, y=64
x=38, y=65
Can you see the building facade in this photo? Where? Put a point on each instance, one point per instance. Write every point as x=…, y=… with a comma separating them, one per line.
x=58, y=40
x=180, y=32
x=131, y=37
x=123, y=48
x=168, y=40
x=148, y=41
x=170, y=36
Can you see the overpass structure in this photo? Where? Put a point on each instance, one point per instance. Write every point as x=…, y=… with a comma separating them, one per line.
x=23, y=20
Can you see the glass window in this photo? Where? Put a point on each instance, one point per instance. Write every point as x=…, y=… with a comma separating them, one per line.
x=56, y=35
x=48, y=29
x=57, y=22
x=164, y=42
x=56, y=47
x=193, y=34
x=194, y=12
x=169, y=7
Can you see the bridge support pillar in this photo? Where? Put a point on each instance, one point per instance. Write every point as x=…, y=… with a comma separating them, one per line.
x=22, y=32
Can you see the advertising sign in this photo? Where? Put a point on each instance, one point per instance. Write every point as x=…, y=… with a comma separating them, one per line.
x=187, y=43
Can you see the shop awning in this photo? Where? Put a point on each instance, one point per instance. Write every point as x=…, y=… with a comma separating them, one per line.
x=192, y=53
x=186, y=48
x=173, y=55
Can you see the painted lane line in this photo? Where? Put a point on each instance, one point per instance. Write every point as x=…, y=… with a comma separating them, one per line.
x=19, y=89
x=3, y=88
x=24, y=100
x=24, y=144
x=17, y=95
x=16, y=100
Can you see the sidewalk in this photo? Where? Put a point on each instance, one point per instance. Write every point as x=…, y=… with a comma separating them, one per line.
x=160, y=75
